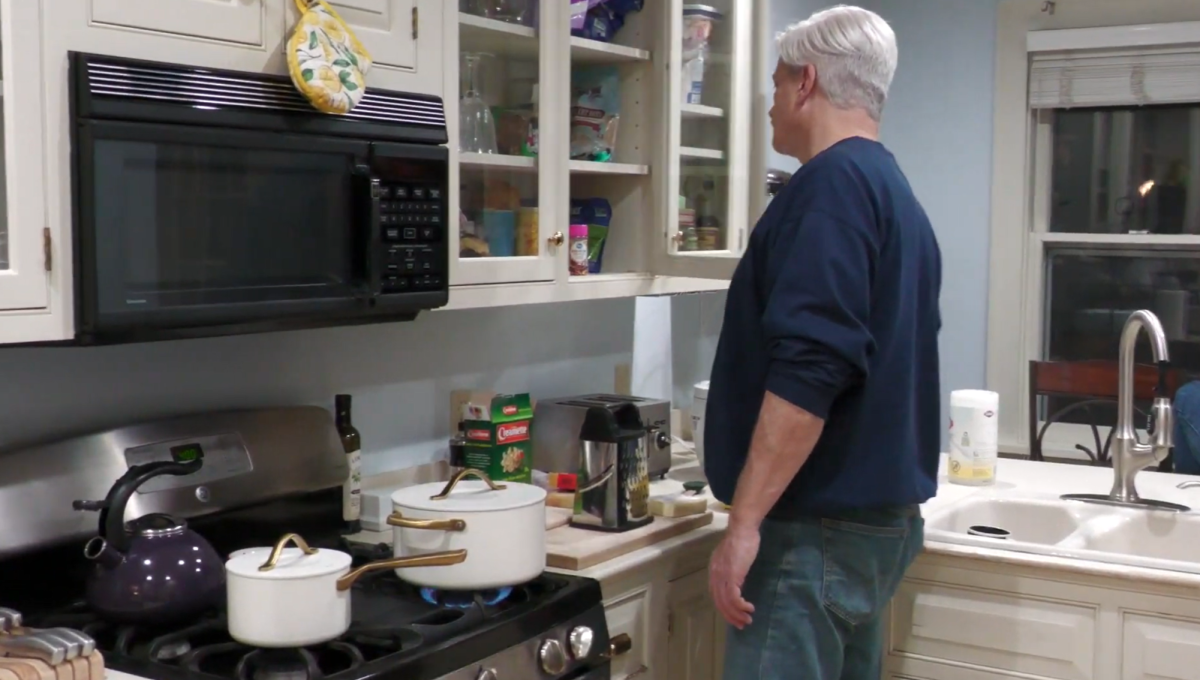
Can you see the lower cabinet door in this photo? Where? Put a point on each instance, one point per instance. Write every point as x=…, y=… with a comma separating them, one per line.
x=693, y=630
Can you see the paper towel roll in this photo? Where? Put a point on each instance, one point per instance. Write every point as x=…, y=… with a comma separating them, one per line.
x=974, y=436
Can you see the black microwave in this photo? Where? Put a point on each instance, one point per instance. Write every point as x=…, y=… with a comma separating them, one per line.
x=209, y=202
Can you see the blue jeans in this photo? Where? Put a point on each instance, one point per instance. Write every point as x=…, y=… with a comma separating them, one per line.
x=1187, y=429
x=819, y=589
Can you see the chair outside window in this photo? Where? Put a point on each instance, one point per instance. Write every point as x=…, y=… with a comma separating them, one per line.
x=1086, y=392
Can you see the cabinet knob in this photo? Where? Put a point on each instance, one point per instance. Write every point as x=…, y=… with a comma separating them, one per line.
x=679, y=238
x=557, y=239
x=619, y=645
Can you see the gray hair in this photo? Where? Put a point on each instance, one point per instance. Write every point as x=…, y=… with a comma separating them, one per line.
x=854, y=53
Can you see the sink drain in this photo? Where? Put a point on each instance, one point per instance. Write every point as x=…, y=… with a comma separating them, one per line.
x=988, y=532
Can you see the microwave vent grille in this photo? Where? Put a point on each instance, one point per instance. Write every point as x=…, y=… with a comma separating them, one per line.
x=223, y=90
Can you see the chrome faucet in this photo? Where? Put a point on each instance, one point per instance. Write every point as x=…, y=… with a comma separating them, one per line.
x=1130, y=456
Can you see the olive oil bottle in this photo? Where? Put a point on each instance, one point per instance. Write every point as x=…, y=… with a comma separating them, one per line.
x=352, y=487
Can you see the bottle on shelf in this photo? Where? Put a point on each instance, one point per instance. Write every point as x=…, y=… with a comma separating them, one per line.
x=352, y=487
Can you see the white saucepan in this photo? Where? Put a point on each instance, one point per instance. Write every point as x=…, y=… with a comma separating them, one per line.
x=292, y=597
x=502, y=528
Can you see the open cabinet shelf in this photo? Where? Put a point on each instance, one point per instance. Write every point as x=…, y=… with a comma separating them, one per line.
x=584, y=51
x=700, y=111
x=500, y=38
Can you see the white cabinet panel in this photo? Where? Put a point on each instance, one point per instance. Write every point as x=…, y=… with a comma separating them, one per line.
x=1156, y=648
x=235, y=21
x=692, y=630
x=385, y=28
x=998, y=631
x=24, y=282
x=629, y=614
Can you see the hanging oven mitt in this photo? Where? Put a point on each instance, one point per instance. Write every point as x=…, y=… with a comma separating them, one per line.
x=327, y=63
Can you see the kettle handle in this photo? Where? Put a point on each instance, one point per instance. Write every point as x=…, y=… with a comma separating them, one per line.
x=112, y=508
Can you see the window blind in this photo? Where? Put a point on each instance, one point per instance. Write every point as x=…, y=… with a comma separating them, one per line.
x=1115, y=77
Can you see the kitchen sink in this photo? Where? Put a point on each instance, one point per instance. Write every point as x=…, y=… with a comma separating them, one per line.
x=1152, y=536
x=1042, y=521
x=1062, y=528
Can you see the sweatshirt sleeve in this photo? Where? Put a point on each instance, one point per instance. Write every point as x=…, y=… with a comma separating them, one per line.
x=817, y=311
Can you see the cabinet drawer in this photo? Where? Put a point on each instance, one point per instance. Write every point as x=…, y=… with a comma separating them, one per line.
x=993, y=630
x=1156, y=648
x=234, y=21
x=629, y=613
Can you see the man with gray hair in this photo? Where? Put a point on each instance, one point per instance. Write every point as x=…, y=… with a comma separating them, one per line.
x=824, y=427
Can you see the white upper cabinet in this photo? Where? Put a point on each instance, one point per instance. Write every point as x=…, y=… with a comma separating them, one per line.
x=404, y=38
x=234, y=21
x=24, y=280
x=706, y=148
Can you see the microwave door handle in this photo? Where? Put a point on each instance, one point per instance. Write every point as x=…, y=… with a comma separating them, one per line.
x=372, y=244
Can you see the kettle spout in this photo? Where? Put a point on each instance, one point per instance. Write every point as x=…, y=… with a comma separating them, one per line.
x=101, y=552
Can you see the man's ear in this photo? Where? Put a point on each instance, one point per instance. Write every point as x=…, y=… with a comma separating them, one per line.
x=807, y=84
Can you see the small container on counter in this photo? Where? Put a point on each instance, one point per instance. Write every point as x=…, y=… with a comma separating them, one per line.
x=578, y=252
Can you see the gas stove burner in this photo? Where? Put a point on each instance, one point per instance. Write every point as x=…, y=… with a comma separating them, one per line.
x=463, y=599
x=172, y=649
x=298, y=663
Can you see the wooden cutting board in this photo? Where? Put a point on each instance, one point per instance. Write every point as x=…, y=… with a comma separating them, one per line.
x=557, y=517
x=577, y=549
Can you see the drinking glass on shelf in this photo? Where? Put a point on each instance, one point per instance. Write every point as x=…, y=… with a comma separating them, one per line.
x=511, y=11
x=476, y=129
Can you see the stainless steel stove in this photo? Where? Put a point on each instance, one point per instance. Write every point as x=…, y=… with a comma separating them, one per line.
x=550, y=628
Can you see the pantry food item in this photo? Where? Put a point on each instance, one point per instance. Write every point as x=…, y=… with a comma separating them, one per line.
x=596, y=213
x=578, y=255
x=698, y=21
x=527, y=232
x=499, y=437
x=595, y=112
x=709, y=238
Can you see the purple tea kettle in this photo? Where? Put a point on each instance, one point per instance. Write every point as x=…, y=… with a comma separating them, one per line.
x=152, y=569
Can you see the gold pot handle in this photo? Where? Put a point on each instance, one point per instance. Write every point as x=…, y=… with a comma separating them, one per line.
x=463, y=474
x=281, y=544
x=397, y=520
x=437, y=559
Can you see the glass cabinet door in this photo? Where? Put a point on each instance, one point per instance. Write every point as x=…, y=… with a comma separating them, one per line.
x=709, y=104
x=498, y=129
x=24, y=232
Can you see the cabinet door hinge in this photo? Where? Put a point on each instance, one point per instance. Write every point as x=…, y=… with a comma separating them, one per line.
x=416, y=20
x=741, y=241
x=47, y=251
x=670, y=623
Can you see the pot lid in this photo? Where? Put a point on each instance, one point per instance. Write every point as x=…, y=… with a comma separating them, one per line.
x=302, y=562
x=703, y=10
x=468, y=495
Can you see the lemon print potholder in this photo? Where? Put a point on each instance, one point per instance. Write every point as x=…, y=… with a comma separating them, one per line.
x=327, y=63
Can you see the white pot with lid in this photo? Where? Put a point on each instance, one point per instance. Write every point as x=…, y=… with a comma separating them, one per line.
x=292, y=597
x=502, y=528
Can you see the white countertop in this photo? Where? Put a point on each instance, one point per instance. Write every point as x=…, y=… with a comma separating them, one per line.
x=1022, y=475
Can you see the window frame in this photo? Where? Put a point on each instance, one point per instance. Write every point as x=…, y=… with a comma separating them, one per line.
x=1019, y=233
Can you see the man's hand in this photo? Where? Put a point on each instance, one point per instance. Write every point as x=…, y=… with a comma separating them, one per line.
x=727, y=572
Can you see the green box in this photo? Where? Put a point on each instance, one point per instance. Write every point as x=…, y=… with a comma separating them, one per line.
x=502, y=445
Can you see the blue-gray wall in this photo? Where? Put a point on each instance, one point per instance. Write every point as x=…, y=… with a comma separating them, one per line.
x=938, y=122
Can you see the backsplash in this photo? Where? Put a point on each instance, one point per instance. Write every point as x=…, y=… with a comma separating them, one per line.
x=400, y=375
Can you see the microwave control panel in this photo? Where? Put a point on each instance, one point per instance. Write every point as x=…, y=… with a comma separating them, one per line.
x=412, y=217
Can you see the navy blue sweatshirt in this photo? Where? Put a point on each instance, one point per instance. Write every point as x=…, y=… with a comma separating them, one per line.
x=834, y=308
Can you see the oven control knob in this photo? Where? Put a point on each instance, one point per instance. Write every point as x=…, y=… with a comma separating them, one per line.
x=486, y=674
x=580, y=640
x=552, y=657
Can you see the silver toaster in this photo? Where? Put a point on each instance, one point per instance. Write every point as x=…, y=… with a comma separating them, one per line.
x=557, y=423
